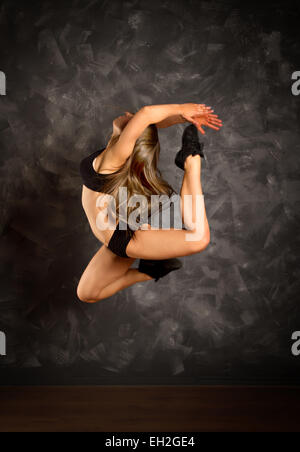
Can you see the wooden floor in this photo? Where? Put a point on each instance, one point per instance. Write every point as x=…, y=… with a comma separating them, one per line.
x=149, y=409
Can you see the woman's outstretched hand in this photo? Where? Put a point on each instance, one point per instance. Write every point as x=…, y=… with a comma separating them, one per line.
x=208, y=120
x=200, y=115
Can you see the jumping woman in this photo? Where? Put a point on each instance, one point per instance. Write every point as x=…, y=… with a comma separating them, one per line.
x=130, y=160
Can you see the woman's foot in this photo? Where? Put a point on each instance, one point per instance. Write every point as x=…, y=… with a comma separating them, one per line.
x=190, y=146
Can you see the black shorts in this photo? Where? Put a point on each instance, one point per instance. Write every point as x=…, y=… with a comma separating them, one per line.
x=120, y=240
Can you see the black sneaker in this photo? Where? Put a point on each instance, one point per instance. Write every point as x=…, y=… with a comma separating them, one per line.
x=159, y=268
x=190, y=146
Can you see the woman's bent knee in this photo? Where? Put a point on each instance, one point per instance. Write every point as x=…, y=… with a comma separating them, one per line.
x=84, y=296
x=198, y=245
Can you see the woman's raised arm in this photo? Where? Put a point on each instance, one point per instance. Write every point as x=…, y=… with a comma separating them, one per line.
x=150, y=114
x=159, y=113
x=170, y=121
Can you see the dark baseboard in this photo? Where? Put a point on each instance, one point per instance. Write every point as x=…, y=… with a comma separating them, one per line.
x=149, y=408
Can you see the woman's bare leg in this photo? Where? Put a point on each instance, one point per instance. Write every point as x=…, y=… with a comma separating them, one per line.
x=193, y=211
x=107, y=274
x=191, y=185
x=166, y=244
x=130, y=278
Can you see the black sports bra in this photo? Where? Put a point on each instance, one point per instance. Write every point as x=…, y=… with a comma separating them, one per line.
x=91, y=179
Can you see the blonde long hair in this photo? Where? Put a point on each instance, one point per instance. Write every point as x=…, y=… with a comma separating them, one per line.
x=139, y=174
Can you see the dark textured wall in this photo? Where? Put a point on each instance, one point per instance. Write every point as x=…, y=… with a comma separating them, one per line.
x=71, y=67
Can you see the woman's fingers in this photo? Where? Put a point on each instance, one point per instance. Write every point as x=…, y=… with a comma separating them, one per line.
x=216, y=123
x=204, y=108
x=212, y=127
x=208, y=116
x=214, y=117
x=205, y=117
x=198, y=125
x=191, y=119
